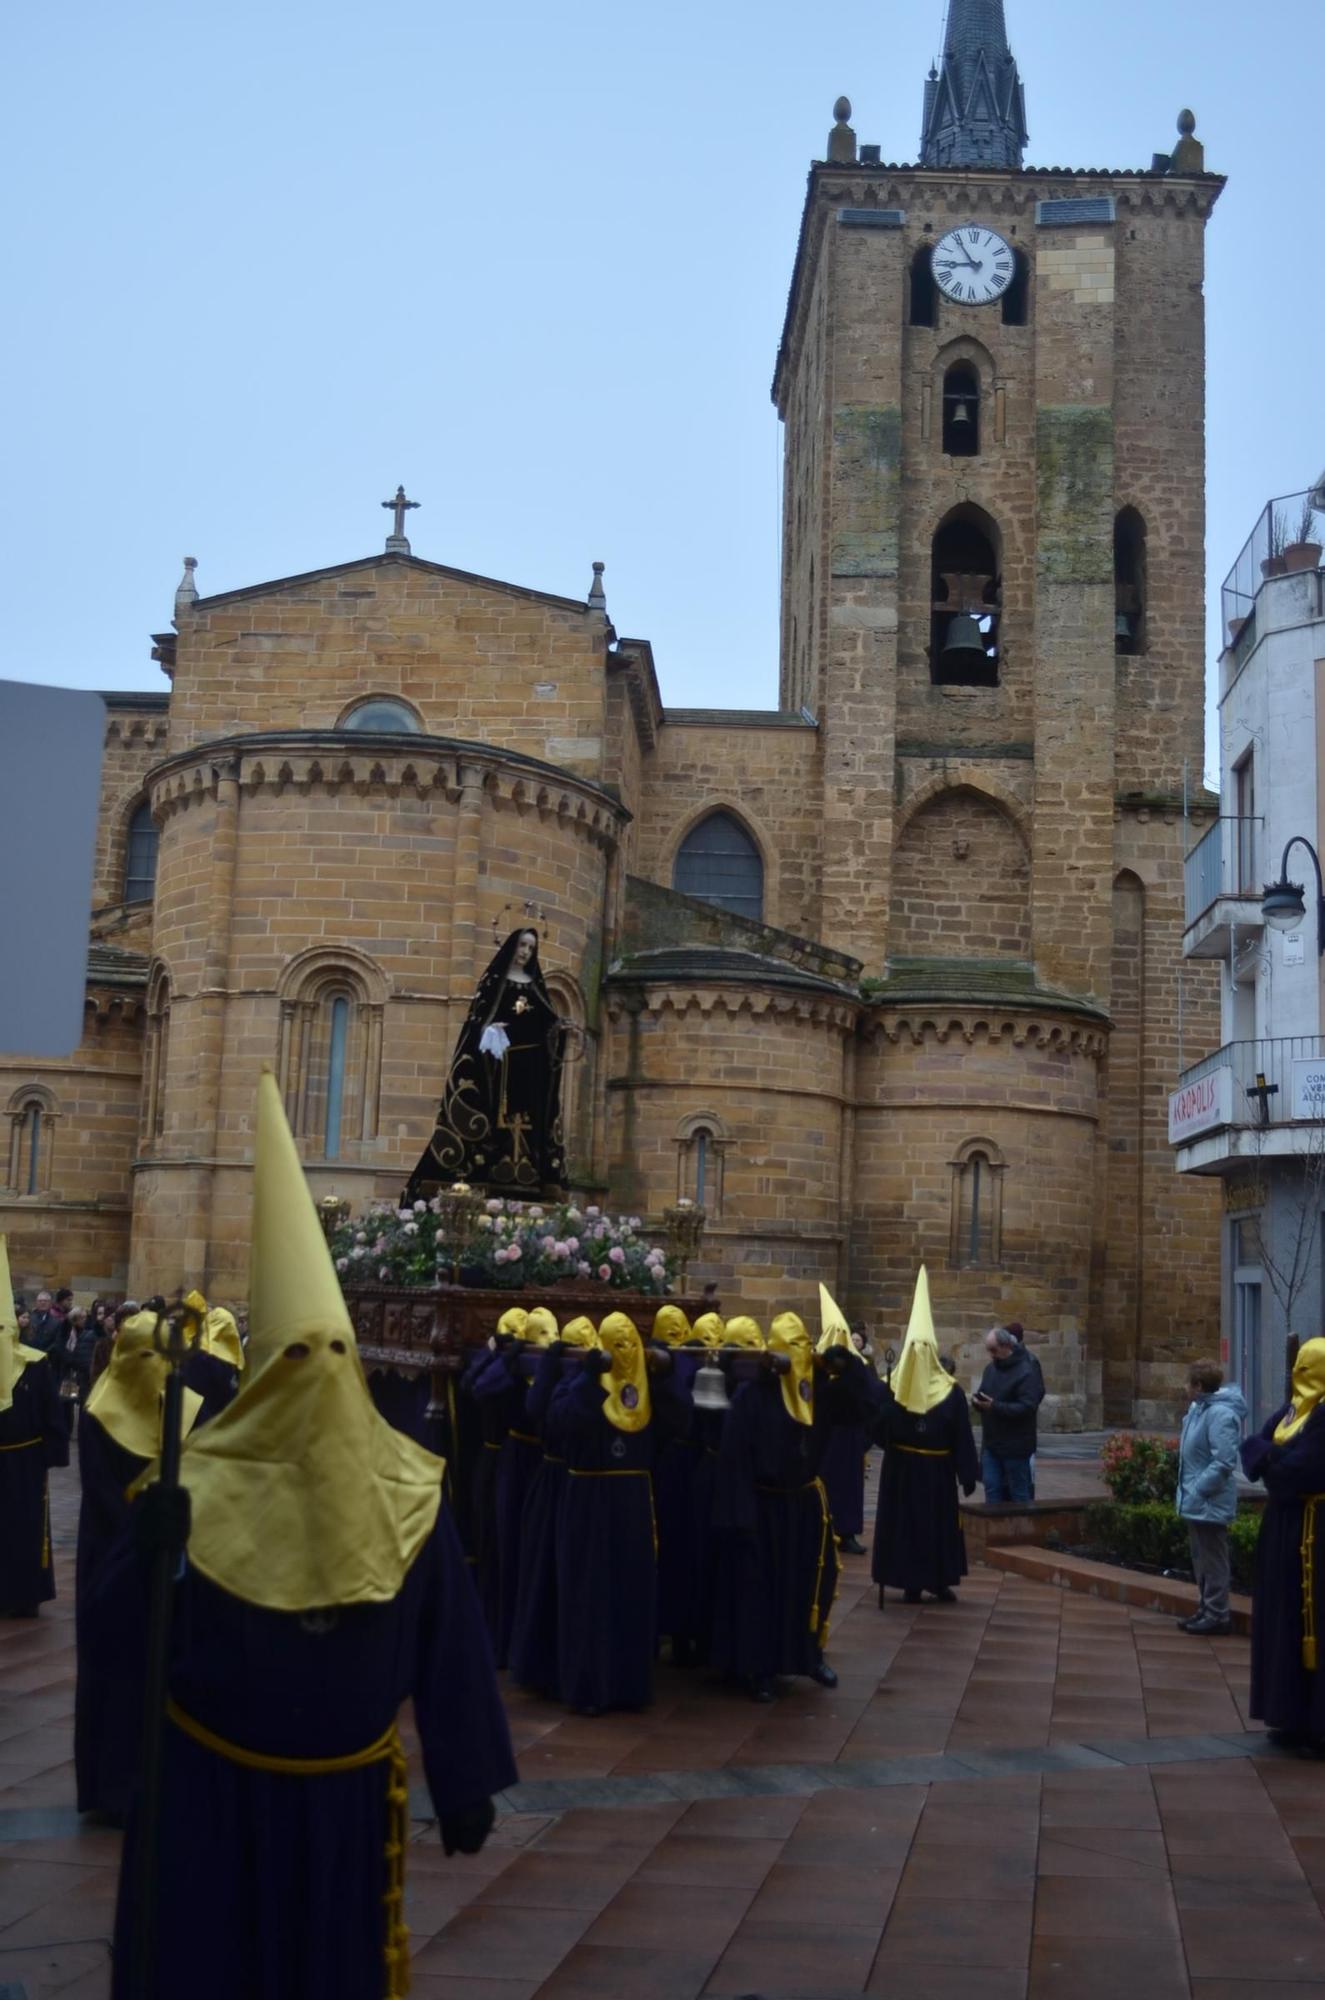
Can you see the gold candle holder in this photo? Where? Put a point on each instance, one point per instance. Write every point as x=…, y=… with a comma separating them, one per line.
x=332, y=1211
x=458, y=1211
x=684, y=1224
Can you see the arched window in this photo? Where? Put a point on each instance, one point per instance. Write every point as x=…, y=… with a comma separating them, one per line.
x=719, y=863
x=384, y=714
x=1129, y=582
x=961, y=411
x=966, y=595
x=330, y=1057
x=156, y=1056
x=140, y=856
x=1017, y=297
x=977, y=1207
x=32, y=1119
x=701, y=1151
x=923, y=292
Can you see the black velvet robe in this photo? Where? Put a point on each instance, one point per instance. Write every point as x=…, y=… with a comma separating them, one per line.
x=844, y=1478
x=918, y=1541
x=498, y=1399
x=34, y=1435
x=107, y=1721
x=294, y=1867
x=776, y=1569
x=499, y=1122
x=1285, y=1694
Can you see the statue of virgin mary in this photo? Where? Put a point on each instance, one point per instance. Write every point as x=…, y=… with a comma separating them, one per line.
x=499, y=1124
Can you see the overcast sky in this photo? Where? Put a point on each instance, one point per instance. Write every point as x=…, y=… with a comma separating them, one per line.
x=266, y=261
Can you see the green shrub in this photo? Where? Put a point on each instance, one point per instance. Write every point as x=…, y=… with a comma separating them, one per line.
x=1150, y=1532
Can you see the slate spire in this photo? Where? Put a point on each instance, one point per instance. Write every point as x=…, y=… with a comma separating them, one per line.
x=975, y=108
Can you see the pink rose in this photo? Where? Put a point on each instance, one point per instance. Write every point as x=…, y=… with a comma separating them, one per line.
x=561, y=1250
x=495, y=1206
x=604, y=1271
x=617, y=1254
x=342, y=1263
x=513, y=1253
x=582, y=1271
x=547, y=1244
x=572, y=1244
x=420, y=1208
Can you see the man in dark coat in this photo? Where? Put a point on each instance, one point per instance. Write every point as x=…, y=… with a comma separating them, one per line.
x=929, y=1451
x=33, y=1437
x=323, y=1585
x=1288, y=1605
x=1011, y=1391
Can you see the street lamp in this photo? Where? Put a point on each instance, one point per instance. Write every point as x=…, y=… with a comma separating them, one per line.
x=1284, y=903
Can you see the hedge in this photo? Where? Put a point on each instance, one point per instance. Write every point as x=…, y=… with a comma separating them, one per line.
x=1151, y=1533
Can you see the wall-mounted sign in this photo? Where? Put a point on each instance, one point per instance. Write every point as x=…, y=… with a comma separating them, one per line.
x=1201, y=1106
x=1294, y=949
x=1309, y=1087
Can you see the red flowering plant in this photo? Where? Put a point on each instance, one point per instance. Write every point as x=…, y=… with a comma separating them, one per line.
x=1137, y=1467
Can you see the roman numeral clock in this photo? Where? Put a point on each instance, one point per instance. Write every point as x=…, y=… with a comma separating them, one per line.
x=973, y=266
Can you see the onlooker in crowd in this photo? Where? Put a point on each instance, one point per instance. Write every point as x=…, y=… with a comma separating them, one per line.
x=1207, y=1496
x=75, y=1352
x=46, y=1324
x=1011, y=1391
x=1018, y=1332
x=64, y=1301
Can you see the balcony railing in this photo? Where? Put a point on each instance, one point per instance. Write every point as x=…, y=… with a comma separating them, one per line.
x=1228, y=860
x=1275, y=1082
x=1279, y=526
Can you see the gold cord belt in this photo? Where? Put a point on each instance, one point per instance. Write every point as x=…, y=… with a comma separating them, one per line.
x=25, y=1445
x=918, y=1451
x=1310, y=1648
x=523, y=1437
x=386, y=1750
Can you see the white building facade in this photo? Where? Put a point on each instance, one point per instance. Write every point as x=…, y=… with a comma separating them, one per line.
x=1253, y=1113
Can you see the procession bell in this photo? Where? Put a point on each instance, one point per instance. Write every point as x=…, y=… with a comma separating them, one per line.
x=710, y=1388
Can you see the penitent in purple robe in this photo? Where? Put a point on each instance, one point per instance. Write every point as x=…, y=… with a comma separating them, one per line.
x=776, y=1569
x=34, y=1436
x=295, y=1866
x=918, y=1540
x=843, y=1474
x=534, y=1626
x=1286, y=1693
x=107, y=1717
x=681, y=1569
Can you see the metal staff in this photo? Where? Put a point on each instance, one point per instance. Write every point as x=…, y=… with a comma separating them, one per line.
x=169, y=1532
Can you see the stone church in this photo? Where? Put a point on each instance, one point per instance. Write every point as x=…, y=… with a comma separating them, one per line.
x=886, y=973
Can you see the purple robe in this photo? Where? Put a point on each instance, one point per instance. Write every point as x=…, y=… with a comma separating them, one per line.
x=1285, y=1693
x=295, y=1866
x=34, y=1435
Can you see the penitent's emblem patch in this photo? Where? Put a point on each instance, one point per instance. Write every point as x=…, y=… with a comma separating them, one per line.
x=319, y=1623
x=806, y=1391
x=618, y=1447
x=630, y=1397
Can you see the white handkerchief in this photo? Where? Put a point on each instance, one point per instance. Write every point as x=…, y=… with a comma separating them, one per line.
x=494, y=1041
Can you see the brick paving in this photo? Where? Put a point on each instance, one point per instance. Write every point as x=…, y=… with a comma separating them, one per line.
x=1023, y=1796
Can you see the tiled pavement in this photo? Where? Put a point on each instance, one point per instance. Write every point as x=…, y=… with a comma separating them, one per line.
x=1024, y=1794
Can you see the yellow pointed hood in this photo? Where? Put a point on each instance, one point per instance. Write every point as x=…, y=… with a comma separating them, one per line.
x=788, y=1335
x=836, y=1332
x=579, y=1332
x=303, y=1497
x=14, y=1353
x=709, y=1328
x=1308, y=1389
x=920, y=1382
x=218, y=1332
x=743, y=1332
x=126, y=1399
x=540, y=1326
x=627, y=1405
x=670, y=1326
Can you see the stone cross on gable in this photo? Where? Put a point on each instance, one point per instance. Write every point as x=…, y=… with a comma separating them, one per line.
x=396, y=544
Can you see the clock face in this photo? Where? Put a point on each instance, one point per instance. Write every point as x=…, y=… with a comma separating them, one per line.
x=973, y=265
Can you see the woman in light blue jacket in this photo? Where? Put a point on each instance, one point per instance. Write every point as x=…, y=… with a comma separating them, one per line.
x=1207, y=1496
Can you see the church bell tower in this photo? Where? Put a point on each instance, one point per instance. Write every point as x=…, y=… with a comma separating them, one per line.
x=991, y=379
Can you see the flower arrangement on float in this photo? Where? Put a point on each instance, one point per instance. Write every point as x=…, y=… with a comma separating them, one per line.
x=511, y=1244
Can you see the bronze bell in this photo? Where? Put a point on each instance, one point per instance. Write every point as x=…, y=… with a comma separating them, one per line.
x=961, y=413
x=1122, y=625
x=963, y=645
x=710, y=1388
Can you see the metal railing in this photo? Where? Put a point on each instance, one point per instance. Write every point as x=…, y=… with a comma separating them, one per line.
x=1275, y=1082
x=1228, y=860
x=1293, y=521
